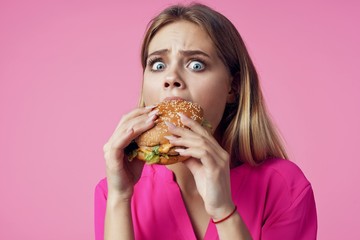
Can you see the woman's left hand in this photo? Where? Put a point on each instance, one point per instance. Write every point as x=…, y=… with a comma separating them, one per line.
x=209, y=164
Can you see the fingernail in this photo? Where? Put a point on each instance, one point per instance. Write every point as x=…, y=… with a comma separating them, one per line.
x=182, y=116
x=170, y=138
x=150, y=107
x=150, y=119
x=170, y=125
x=154, y=112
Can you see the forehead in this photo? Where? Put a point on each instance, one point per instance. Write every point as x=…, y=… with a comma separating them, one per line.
x=182, y=35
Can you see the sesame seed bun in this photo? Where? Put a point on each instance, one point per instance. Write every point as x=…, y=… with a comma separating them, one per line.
x=153, y=140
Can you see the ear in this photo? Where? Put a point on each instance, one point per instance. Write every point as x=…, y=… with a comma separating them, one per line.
x=231, y=97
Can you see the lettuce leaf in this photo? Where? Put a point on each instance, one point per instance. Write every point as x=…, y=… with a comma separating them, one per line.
x=154, y=156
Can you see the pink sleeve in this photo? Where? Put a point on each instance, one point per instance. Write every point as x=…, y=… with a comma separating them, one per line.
x=298, y=222
x=100, y=209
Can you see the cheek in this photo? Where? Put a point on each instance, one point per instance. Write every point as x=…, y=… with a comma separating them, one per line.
x=214, y=112
x=213, y=101
x=150, y=91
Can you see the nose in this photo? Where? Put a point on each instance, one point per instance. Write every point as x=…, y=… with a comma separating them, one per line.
x=173, y=80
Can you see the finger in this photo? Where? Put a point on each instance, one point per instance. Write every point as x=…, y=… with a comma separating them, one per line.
x=111, y=149
x=180, y=131
x=193, y=125
x=205, y=156
x=142, y=123
x=188, y=139
x=135, y=113
x=136, y=127
x=139, y=120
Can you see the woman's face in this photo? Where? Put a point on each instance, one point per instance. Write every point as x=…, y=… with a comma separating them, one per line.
x=183, y=63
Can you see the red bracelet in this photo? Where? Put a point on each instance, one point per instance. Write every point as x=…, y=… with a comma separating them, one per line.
x=221, y=220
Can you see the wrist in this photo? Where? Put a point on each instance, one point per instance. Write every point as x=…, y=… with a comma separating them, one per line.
x=115, y=198
x=226, y=217
x=221, y=212
x=233, y=228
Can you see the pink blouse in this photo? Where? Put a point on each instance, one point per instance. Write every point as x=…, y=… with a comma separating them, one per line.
x=275, y=200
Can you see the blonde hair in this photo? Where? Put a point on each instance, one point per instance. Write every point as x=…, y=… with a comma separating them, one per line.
x=248, y=134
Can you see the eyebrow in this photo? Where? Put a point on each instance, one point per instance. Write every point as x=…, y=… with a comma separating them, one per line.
x=186, y=53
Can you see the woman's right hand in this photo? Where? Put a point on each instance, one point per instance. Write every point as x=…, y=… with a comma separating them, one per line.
x=121, y=173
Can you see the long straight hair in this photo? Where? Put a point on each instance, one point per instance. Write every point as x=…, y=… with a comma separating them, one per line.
x=247, y=132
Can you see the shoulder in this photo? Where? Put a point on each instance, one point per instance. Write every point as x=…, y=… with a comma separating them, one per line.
x=286, y=174
x=283, y=169
x=274, y=176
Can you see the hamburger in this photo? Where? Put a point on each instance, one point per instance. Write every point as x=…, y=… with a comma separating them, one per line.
x=152, y=146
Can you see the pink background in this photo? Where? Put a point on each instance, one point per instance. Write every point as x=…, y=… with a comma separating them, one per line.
x=70, y=69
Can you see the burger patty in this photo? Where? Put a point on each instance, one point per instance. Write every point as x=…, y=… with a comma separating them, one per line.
x=163, y=149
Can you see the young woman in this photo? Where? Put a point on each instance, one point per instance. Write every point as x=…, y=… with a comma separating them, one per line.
x=237, y=183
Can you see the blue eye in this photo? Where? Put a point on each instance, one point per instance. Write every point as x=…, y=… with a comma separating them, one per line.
x=157, y=66
x=196, y=66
